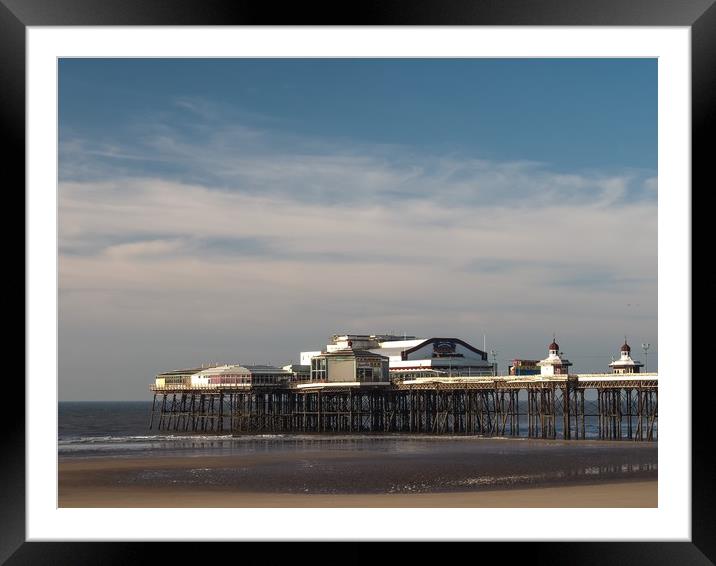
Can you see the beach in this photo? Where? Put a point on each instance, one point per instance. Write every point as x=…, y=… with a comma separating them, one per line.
x=627, y=494
x=424, y=473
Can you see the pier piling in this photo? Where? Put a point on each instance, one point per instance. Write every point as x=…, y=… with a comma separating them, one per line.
x=551, y=409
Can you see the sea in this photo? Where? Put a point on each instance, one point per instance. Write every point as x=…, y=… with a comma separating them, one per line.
x=355, y=463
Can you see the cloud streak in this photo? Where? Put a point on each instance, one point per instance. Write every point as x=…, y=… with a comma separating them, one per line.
x=232, y=156
x=246, y=244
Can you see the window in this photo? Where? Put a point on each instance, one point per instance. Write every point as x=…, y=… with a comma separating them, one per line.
x=368, y=374
x=318, y=369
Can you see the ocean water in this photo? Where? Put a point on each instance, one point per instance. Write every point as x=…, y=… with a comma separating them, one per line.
x=292, y=463
x=90, y=429
x=114, y=427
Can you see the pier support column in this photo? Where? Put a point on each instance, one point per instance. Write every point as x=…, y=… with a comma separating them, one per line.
x=151, y=418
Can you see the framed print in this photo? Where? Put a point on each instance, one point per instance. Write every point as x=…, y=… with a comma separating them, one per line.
x=437, y=192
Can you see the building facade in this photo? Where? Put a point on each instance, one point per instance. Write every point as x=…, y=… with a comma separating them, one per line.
x=349, y=366
x=524, y=367
x=410, y=357
x=177, y=377
x=239, y=375
x=299, y=372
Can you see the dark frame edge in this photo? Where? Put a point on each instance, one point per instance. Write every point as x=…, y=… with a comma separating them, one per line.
x=12, y=118
x=702, y=548
x=703, y=122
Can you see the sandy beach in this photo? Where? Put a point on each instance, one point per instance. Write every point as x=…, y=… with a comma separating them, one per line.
x=112, y=482
x=627, y=494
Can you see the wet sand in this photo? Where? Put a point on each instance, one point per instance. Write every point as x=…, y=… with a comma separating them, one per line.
x=456, y=477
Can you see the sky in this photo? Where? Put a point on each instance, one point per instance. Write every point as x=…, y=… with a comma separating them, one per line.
x=244, y=210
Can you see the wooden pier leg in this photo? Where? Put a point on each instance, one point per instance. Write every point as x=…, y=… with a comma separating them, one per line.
x=183, y=416
x=426, y=415
x=642, y=412
x=516, y=429
x=652, y=397
x=411, y=410
x=553, y=410
x=551, y=405
x=469, y=420
x=647, y=411
x=173, y=414
x=268, y=404
x=387, y=415
x=616, y=421
x=565, y=412
x=204, y=408
x=600, y=414
x=319, y=425
x=539, y=416
x=492, y=414
x=417, y=410
x=191, y=423
x=220, y=422
x=575, y=410
x=614, y=393
x=192, y=412
x=350, y=411
x=630, y=436
x=510, y=412
x=167, y=412
x=162, y=412
x=151, y=418
x=530, y=431
x=540, y=408
x=577, y=413
x=618, y=407
x=245, y=414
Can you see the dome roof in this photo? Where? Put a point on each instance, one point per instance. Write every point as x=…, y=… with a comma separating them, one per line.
x=553, y=346
x=625, y=347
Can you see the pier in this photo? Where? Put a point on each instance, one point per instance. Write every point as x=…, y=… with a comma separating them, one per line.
x=615, y=407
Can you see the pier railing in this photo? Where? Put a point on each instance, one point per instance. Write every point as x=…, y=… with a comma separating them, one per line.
x=210, y=386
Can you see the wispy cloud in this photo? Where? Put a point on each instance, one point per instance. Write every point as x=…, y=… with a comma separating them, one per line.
x=232, y=155
x=602, y=280
x=235, y=238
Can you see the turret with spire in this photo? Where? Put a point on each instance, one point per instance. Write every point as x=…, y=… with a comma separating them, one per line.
x=625, y=364
x=554, y=364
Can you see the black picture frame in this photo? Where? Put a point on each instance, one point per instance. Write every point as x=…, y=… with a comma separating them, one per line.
x=699, y=15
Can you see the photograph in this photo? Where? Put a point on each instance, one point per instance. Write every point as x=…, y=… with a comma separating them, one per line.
x=358, y=282
x=405, y=277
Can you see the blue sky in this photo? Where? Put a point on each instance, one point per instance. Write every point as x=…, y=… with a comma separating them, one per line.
x=243, y=210
x=569, y=113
